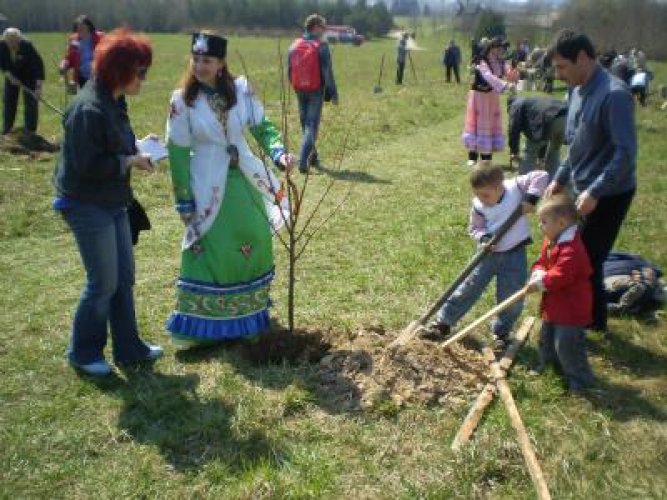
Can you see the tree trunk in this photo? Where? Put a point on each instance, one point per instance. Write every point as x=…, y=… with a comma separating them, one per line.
x=291, y=280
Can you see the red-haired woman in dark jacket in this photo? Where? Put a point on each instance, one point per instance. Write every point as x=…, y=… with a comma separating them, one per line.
x=93, y=191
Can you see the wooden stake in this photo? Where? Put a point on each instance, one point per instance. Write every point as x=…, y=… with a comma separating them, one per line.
x=496, y=310
x=485, y=398
x=526, y=446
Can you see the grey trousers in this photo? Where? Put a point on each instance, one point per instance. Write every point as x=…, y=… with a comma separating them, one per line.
x=565, y=347
x=532, y=153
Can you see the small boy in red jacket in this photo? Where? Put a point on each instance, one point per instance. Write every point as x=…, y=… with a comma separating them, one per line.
x=563, y=273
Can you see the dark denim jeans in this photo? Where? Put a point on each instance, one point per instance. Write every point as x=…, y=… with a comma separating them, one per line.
x=105, y=245
x=310, y=112
x=510, y=270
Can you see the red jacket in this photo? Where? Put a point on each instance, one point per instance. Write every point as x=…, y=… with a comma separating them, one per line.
x=568, y=299
x=72, y=59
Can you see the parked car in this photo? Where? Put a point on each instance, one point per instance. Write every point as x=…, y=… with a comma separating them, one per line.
x=343, y=34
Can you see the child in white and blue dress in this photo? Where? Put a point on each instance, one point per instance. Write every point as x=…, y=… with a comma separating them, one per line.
x=496, y=199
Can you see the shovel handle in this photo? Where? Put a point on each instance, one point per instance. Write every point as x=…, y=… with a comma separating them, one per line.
x=496, y=310
x=474, y=262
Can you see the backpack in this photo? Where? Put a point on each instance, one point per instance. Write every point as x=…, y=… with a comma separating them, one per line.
x=304, y=64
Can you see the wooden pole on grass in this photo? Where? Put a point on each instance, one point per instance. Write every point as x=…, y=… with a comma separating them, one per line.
x=526, y=446
x=486, y=397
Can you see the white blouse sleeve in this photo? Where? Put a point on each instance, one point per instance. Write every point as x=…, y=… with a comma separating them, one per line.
x=178, y=124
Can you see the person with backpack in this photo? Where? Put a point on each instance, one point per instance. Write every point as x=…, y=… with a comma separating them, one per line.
x=310, y=72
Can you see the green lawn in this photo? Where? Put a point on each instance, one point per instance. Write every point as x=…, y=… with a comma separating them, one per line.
x=216, y=425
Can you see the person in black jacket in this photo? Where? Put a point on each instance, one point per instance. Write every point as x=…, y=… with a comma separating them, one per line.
x=452, y=61
x=92, y=181
x=21, y=65
x=542, y=122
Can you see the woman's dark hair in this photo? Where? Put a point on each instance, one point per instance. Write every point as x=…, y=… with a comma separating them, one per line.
x=224, y=85
x=568, y=44
x=494, y=43
x=84, y=19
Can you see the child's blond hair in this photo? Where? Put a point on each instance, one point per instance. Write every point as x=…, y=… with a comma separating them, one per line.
x=560, y=206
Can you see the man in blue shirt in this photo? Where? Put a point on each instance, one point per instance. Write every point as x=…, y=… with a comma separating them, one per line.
x=601, y=162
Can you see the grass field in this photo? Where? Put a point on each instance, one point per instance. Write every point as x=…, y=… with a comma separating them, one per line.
x=215, y=425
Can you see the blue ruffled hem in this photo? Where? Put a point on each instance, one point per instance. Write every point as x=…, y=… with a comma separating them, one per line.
x=217, y=330
x=185, y=207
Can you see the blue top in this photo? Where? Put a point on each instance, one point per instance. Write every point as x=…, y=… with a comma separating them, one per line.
x=86, y=51
x=602, y=138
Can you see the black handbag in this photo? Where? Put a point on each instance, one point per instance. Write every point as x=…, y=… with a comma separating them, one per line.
x=139, y=221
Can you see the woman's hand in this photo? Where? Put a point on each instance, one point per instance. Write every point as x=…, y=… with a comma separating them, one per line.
x=287, y=162
x=142, y=162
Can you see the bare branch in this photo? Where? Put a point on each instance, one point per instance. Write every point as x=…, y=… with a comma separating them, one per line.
x=327, y=190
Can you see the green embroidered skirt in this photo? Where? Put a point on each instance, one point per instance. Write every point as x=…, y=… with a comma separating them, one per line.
x=223, y=289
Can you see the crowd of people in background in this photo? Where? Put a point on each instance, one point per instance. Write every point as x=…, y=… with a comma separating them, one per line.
x=231, y=203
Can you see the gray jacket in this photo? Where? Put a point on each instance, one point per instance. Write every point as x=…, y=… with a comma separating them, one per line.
x=602, y=138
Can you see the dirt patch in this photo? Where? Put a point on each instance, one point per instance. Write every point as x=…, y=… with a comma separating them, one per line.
x=19, y=142
x=359, y=374
x=418, y=374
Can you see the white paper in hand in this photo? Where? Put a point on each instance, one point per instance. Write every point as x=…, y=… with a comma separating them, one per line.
x=152, y=146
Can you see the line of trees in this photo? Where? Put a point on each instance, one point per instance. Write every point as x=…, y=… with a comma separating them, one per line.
x=620, y=24
x=180, y=15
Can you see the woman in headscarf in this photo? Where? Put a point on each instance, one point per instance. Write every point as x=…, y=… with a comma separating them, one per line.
x=483, y=133
x=228, y=199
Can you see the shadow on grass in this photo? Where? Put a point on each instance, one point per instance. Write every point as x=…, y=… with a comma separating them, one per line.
x=623, y=403
x=623, y=353
x=279, y=360
x=620, y=402
x=166, y=412
x=350, y=175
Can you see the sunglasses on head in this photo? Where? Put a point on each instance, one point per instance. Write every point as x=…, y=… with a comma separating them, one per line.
x=141, y=73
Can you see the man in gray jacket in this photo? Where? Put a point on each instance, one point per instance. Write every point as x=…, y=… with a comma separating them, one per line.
x=542, y=122
x=601, y=162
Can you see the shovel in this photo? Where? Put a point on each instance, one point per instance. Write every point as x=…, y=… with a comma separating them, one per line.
x=503, y=306
x=378, y=88
x=413, y=328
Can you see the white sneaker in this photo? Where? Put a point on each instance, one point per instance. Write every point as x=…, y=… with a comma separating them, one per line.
x=96, y=369
x=471, y=163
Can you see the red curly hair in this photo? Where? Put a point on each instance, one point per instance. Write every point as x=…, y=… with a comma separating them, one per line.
x=118, y=57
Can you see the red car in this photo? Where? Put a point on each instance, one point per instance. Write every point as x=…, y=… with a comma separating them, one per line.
x=343, y=34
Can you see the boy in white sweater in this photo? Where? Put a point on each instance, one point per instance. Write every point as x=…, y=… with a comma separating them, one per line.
x=495, y=201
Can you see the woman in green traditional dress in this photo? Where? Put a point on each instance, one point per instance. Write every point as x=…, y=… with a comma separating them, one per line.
x=228, y=199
